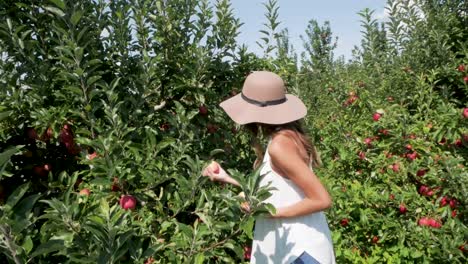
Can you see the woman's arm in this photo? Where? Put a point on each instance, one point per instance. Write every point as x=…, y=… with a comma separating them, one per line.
x=285, y=158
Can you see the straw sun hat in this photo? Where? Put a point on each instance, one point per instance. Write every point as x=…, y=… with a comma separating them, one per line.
x=264, y=100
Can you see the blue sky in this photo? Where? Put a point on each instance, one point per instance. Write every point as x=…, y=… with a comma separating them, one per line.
x=295, y=14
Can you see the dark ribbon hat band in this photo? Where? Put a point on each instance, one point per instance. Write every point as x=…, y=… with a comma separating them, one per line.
x=263, y=103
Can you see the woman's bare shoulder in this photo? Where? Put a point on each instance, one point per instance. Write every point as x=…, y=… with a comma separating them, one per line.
x=282, y=143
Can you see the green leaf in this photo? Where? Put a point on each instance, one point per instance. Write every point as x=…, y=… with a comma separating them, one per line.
x=248, y=227
x=10, y=26
x=216, y=151
x=17, y=194
x=199, y=258
x=416, y=254
x=100, y=181
x=6, y=155
x=79, y=53
x=104, y=206
x=115, y=83
x=204, y=219
x=5, y=114
x=74, y=89
x=75, y=18
x=58, y=3
x=66, y=237
x=92, y=80
x=49, y=246
x=23, y=208
x=165, y=143
x=27, y=244
x=55, y=11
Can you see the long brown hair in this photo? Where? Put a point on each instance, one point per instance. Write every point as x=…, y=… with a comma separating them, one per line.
x=294, y=130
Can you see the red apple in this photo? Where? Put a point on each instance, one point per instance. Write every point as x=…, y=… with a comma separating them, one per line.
x=461, y=68
x=91, y=156
x=453, y=203
x=396, y=167
x=454, y=213
x=443, y=141
x=403, y=209
x=203, y=110
x=463, y=248
x=149, y=260
x=434, y=223
x=368, y=141
x=128, y=202
x=351, y=99
x=424, y=221
x=211, y=128
x=247, y=252
x=47, y=167
x=362, y=155
x=344, y=222
x=32, y=134
x=375, y=239
x=384, y=132
x=465, y=79
x=423, y=189
x=465, y=112
x=412, y=156
x=392, y=197
x=85, y=191
x=409, y=147
x=40, y=171
x=421, y=172
x=66, y=137
x=164, y=126
x=115, y=185
x=444, y=201
x=214, y=167
x=47, y=135
x=376, y=116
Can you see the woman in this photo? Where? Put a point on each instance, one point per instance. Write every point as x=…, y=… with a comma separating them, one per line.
x=298, y=232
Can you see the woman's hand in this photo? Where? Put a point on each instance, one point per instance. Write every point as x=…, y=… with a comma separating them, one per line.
x=216, y=173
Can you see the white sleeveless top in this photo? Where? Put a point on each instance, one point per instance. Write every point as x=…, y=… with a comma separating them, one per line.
x=282, y=240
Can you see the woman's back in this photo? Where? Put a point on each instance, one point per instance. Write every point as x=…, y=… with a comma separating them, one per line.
x=282, y=240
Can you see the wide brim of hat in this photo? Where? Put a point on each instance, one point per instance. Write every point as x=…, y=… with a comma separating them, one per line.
x=243, y=112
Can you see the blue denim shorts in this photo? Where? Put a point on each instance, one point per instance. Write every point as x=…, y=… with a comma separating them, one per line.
x=305, y=258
